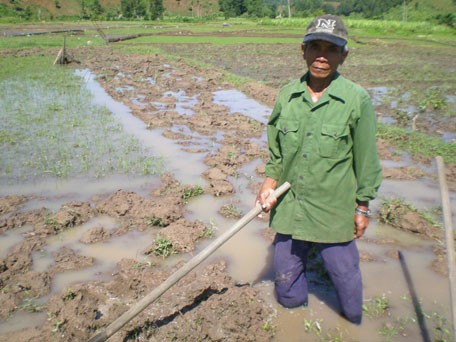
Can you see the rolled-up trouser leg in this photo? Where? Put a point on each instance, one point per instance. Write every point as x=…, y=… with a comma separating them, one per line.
x=289, y=264
x=342, y=263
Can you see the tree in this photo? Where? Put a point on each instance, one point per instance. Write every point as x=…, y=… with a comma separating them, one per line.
x=369, y=8
x=232, y=8
x=95, y=7
x=307, y=8
x=255, y=8
x=133, y=8
x=156, y=9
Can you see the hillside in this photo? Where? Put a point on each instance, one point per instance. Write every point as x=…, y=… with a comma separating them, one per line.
x=422, y=10
x=45, y=9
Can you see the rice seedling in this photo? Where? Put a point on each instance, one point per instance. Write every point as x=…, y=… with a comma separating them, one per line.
x=56, y=131
x=376, y=307
x=163, y=247
x=192, y=191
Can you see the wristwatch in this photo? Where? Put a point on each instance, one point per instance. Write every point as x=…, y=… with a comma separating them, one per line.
x=362, y=212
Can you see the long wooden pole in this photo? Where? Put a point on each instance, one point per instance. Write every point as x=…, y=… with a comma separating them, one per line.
x=448, y=237
x=181, y=272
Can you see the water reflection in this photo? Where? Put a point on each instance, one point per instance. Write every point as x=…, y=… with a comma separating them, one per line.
x=238, y=102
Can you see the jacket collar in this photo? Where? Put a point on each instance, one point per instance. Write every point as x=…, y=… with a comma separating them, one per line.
x=335, y=89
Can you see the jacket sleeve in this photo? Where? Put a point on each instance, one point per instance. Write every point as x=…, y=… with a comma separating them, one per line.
x=274, y=164
x=366, y=162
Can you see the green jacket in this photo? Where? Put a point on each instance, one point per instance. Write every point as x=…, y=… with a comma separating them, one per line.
x=327, y=152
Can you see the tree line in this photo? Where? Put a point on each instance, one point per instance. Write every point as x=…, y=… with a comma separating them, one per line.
x=155, y=9
x=369, y=9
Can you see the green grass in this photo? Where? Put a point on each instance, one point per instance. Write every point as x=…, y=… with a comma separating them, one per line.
x=50, y=128
x=371, y=27
x=46, y=41
x=215, y=40
x=418, y=144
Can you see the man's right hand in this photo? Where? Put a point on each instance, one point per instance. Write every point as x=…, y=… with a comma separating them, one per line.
x=264, y=197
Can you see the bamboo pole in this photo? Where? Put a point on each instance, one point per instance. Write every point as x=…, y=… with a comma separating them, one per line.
x=112, y=328
x=448, y=237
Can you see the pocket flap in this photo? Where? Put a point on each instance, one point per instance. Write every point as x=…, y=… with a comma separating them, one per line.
x=286, y=126
x=335, y=131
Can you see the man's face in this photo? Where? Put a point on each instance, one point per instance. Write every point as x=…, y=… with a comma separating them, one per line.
x=322, y=58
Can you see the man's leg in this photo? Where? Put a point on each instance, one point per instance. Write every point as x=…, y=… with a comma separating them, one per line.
x=289, y=263
x=342, y=263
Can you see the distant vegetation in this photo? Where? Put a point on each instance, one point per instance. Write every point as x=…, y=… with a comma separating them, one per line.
x=436, y=11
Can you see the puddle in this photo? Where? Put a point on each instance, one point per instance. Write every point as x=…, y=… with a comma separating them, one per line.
x=22, y=320
x=379, y=95
x=422, y=194
x=10, y=238
x=449, y=137
x=183, y=104
x=124, y=89
x=196, y=141
x=238, y=102
x=106, y=254
x=53, y=193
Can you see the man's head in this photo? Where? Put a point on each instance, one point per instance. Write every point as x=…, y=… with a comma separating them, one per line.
x=325, y=46
x=329, y=28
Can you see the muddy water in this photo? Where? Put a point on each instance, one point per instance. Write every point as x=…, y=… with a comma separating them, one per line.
x=177, y=161
x=248, y=253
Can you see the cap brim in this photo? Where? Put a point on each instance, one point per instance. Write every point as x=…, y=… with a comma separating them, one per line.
x=326, y=37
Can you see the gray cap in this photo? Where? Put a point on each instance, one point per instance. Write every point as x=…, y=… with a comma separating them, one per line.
x=329, y=28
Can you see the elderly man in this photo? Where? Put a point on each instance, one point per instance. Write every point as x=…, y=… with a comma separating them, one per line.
x=321, y=139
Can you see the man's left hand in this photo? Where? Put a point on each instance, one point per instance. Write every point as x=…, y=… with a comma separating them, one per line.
x=361, y=223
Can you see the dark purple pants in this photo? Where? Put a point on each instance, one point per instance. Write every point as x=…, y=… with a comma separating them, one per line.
x=341, y=261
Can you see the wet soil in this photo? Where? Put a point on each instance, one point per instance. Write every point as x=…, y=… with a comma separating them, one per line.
x=205, y=305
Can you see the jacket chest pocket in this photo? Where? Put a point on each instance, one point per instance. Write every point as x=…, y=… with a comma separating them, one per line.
x=288, y=136
x=333, y=140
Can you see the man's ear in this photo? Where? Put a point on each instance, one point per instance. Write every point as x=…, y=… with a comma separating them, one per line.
x=344, y=54
x=303, y=50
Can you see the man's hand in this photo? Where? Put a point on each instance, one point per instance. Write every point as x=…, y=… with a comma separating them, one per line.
x=361, y=221
x=264, y=195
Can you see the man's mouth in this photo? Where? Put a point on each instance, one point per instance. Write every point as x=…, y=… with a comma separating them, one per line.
x=319, y=69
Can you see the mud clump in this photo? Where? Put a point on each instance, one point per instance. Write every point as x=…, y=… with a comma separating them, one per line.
x=94, y=235
x=402, y=216
x=66, y=260
x=11, y=203
x=181, y=235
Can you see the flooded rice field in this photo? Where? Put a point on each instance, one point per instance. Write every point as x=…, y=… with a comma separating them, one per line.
x=77, y=252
